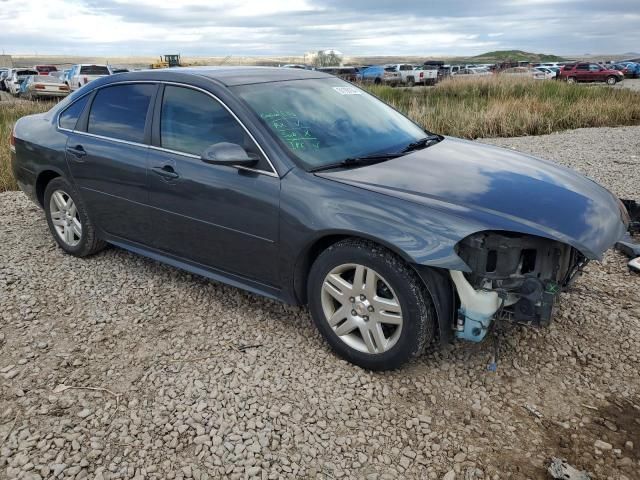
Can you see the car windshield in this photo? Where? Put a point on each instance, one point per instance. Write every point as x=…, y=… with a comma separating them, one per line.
x=325, y=121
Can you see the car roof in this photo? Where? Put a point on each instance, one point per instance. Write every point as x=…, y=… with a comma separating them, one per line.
x=231, y=76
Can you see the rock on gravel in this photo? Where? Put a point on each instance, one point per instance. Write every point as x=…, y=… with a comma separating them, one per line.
x=176, y=398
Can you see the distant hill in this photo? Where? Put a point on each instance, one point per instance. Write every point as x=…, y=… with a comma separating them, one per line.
x=513, y=56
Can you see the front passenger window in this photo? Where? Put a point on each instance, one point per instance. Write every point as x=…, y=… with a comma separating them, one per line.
x=191, y=121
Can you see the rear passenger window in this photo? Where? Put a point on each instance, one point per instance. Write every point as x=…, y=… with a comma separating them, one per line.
x=121, y=111
x=69, y=117
x=191, y=121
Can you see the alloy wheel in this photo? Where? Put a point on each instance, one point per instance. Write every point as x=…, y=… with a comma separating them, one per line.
x=361, y=308
x=65, y=218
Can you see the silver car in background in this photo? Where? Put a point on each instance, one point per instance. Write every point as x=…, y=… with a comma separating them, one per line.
x=44, y=87
x=15, y=78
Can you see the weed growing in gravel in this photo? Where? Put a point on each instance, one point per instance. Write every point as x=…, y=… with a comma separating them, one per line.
x=10, y=112
x=510, y=107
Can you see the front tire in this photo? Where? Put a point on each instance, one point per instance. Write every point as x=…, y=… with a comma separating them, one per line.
x=69, y=221
x=612, y=80
x=369, y=305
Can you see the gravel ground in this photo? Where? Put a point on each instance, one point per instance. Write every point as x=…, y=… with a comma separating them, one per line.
x=186, y=378
x=631, y=83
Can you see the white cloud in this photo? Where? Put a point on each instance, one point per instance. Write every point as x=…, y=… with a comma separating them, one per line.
x=290, y=27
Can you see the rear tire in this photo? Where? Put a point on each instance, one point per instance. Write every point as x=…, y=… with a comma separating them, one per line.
x=369, y=305
x=377, y=81
x=571, y=80
x=69, y=221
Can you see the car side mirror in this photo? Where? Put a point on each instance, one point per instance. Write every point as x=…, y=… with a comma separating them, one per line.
x=230, y=154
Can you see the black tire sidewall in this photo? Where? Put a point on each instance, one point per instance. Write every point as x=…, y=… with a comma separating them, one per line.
x=417, y=307
x=83, y=246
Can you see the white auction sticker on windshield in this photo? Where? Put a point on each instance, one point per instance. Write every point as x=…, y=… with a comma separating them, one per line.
x=347, y=90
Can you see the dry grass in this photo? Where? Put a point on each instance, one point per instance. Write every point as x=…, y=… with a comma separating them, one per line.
x=509, y=107
x=11, y=111
x=468, y=108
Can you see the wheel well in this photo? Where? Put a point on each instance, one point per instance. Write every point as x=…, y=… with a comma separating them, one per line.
x=444, y=297
x=41, y=184
x=304, y=264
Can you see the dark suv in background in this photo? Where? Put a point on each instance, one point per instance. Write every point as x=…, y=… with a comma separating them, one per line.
x=590, y=72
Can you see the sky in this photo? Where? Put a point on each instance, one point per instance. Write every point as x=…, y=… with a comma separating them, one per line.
x=293, y=27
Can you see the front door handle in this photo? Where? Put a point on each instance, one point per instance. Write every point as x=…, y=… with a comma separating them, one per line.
x=166, y=171
x=77, y=151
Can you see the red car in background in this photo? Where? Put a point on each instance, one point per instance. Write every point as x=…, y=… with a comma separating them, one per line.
x=45, y=69
x=590, y=72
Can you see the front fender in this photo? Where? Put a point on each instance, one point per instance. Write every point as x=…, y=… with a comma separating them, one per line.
x=314, y=207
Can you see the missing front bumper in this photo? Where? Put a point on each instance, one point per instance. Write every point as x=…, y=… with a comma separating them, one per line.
x=514, y=277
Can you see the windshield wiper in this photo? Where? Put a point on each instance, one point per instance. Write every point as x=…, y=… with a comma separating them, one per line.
x=358, y=161
x=422, y=143
x=380, y=157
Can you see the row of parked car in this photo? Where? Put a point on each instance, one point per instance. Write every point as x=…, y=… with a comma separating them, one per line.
x=432, y=71
x=395, y=74
x=46, y=81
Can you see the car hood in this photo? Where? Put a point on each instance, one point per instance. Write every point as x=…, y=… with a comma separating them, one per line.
x=500, y=189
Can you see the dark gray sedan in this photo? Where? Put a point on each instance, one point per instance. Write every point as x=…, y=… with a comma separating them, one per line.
x=299, y=186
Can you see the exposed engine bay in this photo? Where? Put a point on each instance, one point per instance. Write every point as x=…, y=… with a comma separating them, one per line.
x=513, y=277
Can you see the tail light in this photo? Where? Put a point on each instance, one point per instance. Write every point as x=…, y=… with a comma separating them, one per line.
x=64, y=88
x=421, y=74
x=39, y=86
x=86, y=80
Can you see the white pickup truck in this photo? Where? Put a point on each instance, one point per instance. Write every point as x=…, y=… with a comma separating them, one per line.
x=426, y=75
x=412, y=75
x=81, y=74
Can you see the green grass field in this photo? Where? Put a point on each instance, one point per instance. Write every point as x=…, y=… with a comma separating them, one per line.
x=468, y=108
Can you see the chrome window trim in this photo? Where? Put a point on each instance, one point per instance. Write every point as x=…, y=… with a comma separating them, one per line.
x=111, y=139
x=197, y=157
x=273, y=173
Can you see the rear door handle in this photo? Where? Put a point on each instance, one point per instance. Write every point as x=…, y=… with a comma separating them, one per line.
x=166, y=171
x=77, y=151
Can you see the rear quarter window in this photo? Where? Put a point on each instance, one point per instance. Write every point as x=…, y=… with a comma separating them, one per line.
x=120, y=111
x=69, y=117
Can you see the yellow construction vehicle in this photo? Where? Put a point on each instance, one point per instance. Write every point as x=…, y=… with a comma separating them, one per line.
x=168, y=61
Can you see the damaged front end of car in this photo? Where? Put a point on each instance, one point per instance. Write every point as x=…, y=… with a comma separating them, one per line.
x=513, y=277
